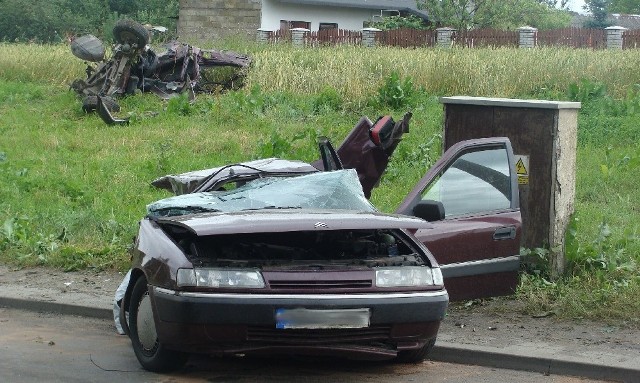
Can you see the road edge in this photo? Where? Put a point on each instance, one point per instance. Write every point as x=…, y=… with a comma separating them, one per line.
x=442, y=352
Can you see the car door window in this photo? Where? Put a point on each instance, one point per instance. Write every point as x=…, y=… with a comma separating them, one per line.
x=477, y=181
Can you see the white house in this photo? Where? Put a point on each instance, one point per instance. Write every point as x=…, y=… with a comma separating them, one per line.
x=325, y=14
x=212, y=19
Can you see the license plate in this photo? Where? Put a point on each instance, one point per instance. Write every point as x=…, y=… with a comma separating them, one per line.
x=322, y=319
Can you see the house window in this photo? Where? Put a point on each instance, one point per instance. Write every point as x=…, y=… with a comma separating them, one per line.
x=328, y=26
x=286, y=24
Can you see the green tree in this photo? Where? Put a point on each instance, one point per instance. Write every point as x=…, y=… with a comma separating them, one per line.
x=52, y=20
x=458, y=14
x=624, y=6
x=49, y=20
x=499, y=14
x=540, y=14
x=157, y=12
x=396, y=22
x=123, y=7
x=562, y=4
x=599, y=10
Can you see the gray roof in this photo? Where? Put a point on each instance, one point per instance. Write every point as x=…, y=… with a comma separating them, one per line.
x=410, y=6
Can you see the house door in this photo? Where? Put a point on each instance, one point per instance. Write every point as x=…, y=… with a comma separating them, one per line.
x=471, y=197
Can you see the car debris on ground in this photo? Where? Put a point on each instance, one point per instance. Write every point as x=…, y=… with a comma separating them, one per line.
x=133, y=66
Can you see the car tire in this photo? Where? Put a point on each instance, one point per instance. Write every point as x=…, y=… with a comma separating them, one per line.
x=151, y=353
x=124, y=317
x=90, y=104
x=416, y=356
x=130, y=32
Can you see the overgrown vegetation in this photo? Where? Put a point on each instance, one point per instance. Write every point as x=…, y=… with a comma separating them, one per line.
x=498, y=14
x=47, y=21
x=73, y=188
x=396, y=22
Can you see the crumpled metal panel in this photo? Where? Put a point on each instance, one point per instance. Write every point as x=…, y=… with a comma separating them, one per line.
x=216, y=177
x=338, y=190
x=359, y=152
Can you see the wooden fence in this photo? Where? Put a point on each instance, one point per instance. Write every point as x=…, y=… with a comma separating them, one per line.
x=279, y=36
x=407, y=38
x=333, y=36
x=566, y=37
x=631, y=39
x=485, y=38
x=573, y=37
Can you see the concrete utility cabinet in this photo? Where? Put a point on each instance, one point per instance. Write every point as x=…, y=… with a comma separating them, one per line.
x=544, y=138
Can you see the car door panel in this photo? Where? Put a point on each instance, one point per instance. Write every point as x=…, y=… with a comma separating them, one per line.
x=477, y=243
x=472, y=265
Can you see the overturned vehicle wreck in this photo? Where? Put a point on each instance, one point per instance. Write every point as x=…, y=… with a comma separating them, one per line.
x=133, y=66
x=284, y=257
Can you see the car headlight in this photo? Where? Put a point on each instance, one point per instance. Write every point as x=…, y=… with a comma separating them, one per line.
x=222, y=278
x=408, y=276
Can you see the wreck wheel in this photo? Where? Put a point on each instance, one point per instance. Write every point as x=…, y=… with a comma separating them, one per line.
x=130, y=32
x=151, y=353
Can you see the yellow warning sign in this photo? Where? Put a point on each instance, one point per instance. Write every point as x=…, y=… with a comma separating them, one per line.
x=522, y=166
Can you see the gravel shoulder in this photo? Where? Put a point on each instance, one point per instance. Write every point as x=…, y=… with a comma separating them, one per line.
x=502, y=323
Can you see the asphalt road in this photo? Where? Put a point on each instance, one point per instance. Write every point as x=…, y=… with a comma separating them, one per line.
x=57, y=348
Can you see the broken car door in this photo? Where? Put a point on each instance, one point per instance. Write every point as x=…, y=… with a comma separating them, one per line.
x=471, y=198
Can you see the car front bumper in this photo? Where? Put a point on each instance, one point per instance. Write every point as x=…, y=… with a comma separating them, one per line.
x=238, y=323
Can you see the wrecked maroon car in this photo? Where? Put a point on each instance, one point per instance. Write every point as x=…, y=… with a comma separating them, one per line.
x=282, y=257
x=134, y=66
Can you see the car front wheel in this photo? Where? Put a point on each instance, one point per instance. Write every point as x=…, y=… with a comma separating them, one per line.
x=151, y=353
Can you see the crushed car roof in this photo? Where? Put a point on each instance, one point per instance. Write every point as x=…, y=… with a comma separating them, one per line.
x=215, y=177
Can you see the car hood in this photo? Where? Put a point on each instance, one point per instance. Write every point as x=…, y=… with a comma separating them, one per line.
x=275, y=221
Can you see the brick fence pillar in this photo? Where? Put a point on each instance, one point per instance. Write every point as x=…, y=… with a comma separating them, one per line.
x=614, y=37
x=444, y=37
x=263, y=35
x=369, y=37
x=297, y=36
x=528, y=37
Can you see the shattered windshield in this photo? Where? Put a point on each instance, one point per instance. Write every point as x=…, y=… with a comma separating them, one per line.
x=340, y=190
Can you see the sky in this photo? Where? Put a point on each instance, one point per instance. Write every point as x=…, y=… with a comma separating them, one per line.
x=576, y=5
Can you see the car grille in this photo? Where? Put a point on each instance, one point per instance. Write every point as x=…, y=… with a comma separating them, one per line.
x=304, y=336
x=320, y=284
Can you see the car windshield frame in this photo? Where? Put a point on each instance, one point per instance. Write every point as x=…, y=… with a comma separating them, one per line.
x=335, y=190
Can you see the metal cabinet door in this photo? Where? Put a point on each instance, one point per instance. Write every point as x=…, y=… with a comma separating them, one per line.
x=477, y=242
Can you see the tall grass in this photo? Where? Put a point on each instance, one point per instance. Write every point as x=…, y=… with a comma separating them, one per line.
x=50, y=64
x=356, y=72
x=504, y=72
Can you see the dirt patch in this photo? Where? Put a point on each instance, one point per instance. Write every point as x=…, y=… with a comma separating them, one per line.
x=502, y=322
x=85, y=281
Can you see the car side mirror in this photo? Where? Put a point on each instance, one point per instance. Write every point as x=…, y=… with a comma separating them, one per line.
x=429, y=210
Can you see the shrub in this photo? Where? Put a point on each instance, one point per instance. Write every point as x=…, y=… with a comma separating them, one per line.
x=396, y=92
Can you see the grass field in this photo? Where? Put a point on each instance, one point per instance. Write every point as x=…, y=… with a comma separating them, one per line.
x=72, y=189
